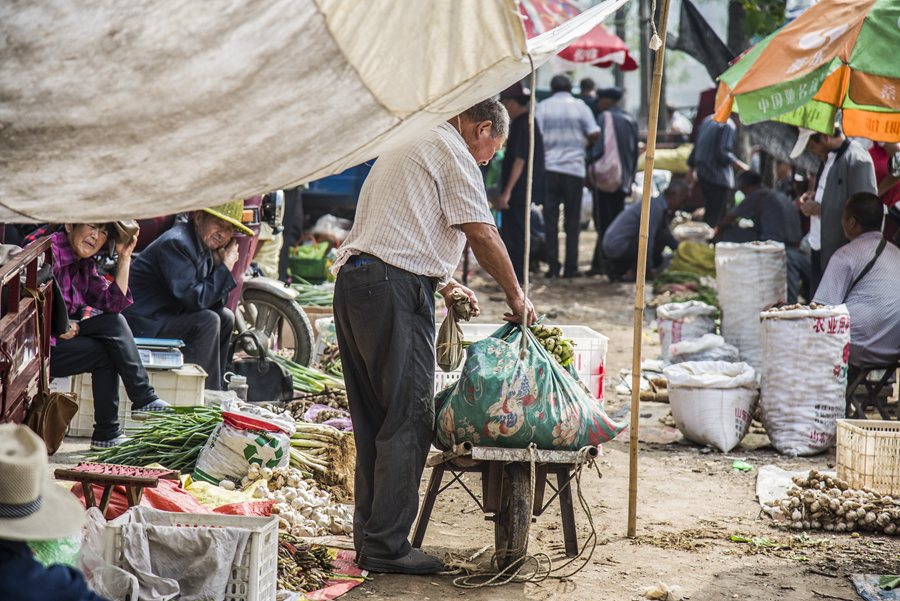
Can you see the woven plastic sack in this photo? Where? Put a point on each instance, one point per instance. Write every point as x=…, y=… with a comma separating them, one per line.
x=503, y=401
x=750, y=277
x=804, y=377
x=248, y=434
x=712, y=401
x=683, y=321
x=709, y=347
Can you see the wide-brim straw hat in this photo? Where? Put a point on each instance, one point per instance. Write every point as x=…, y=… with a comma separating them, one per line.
x=32, y=506
x=231, y=212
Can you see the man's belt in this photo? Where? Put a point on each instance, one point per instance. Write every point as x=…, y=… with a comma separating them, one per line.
x=363, y=258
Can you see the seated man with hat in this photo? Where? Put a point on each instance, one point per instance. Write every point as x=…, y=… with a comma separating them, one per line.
x=181, y=284
x=34, y=508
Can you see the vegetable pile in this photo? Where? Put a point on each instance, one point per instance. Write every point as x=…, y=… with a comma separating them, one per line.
x=302, y=567
x=173, y=439
x=562, y=349
x=820, y=502
x=681, y=286
x=330, y=361
x=301, y=507
x=309, y=295
x=309, y=380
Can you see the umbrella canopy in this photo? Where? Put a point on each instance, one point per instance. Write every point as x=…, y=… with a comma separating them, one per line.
x=837, y=55
x=599, y=47
x=116, y=110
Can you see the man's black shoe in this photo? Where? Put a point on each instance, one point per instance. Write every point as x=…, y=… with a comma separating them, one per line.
x=551, y=275
x=416, y=562
x=574, y=274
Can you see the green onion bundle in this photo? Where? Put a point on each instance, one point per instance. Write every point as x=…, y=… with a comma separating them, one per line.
x=310, y=445
x=309, y=295
x=309, y=380
x=173, y=439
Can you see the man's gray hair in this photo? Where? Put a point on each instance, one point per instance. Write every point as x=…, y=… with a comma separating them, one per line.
x=490, y=110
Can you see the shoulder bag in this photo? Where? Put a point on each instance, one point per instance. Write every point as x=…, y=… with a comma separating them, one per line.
x=605, y=174
x=267, y=381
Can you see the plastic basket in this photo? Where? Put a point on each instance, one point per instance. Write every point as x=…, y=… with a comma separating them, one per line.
x=868, y=454
x=253, y=578
x=311, y=270
x=589, y=360
x=180, y=387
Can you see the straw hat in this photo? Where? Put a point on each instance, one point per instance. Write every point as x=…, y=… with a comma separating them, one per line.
x=32, y=506
x=231, y=212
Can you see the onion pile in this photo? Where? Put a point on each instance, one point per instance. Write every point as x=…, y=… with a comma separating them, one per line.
x=821, y=502
x=303, y=510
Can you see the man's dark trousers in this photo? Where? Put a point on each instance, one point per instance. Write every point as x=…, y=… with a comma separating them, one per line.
x=384, y=320
x=565, y=190
x=717, y=199
x=207, y=336
x=512, y=232
x=104, y=348
x=607, y=205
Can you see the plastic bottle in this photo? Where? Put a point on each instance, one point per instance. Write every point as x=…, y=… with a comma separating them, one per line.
x=238, y=384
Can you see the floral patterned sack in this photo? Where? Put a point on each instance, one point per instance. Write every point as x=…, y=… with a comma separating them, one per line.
x=502, y=401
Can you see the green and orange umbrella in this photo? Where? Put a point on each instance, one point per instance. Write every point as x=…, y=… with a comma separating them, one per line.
x=838, y=55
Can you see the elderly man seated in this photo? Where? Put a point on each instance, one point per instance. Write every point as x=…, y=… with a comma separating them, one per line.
x=620, y=242
x=181, y=283
x=864, y=275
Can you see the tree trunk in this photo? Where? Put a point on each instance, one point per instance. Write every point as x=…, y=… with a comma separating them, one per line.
x=646, y=64
x=621, y=15
x=738, y=42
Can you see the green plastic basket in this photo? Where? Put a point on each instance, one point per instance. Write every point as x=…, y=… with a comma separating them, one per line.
x=311, y=270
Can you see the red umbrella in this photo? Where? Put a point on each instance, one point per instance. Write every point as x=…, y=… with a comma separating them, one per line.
x=599, y=47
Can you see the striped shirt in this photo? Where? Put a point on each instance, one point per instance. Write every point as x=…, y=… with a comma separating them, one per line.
x=565, y=123
x=712, y=156
x=413, y=202
x=873, y=303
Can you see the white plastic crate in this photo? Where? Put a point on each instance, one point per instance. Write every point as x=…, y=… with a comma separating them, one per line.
x=589, y=360
x=179, y=387
x=867, y=452
x=253, y=578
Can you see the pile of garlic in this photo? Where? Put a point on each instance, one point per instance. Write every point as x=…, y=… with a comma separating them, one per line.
x=820, y=502
x=302, y=509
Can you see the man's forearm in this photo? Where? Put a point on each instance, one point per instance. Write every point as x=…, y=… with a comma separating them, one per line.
x=491, y=253
x=514, y=174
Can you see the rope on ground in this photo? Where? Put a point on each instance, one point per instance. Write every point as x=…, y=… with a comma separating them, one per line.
x=542, y=563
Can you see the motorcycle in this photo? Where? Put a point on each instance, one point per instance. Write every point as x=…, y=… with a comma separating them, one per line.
x=261, y=304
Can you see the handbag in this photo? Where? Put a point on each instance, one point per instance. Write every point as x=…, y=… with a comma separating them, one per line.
x=267, y=380
x=605, y=174
x=50, y=412
x=125, y=230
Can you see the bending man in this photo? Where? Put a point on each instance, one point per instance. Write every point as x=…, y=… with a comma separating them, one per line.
x=418, y=206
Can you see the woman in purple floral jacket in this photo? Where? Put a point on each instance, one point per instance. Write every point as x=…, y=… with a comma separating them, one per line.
x=99, y=340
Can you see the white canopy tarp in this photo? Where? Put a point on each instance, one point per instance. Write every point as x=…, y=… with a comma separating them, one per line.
x=117, y=109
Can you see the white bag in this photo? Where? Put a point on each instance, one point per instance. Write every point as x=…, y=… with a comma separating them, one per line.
x=709, y=347
x=751, y=277
x=712, y=401
x=683, y=321
x=804, y=377
x=248, y=434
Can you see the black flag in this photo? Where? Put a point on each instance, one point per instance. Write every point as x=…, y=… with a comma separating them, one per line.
x=697, y=39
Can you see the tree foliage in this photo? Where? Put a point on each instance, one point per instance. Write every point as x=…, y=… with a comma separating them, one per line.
x=762, y=17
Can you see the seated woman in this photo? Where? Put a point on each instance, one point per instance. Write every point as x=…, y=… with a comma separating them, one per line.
x=99, y=341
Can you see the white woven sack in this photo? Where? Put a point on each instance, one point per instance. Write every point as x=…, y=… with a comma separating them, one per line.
x=712, y=401
x=804, y=377
x=683, y=321
x=750, y=277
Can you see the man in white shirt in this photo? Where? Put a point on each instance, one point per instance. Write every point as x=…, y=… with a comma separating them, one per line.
x=418, y=207
x=846, y=169
x=567, y=124
x=870, y=294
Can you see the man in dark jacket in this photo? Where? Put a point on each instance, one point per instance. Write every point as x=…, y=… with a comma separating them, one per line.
x=181, y=283
x=608, y=205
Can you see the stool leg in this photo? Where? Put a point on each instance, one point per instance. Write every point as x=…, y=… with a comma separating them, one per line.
x=567, y=512
x=434, y=485
x=88, y=490
x=104, y=500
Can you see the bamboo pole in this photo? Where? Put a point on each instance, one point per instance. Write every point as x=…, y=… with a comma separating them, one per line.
x=652, y=123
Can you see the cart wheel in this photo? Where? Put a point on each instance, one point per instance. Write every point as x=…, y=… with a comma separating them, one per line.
x=514, y=518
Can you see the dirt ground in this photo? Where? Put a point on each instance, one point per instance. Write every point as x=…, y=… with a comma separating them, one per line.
x=690, y=500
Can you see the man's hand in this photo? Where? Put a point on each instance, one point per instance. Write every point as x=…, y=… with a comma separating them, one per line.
x=690, y=178
x=519, y=305
x=502, y=201
x=808, y=206
x=447, y=290
x=73, y=331
x=124, y=250
x=741, y=165
x=228, y=255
